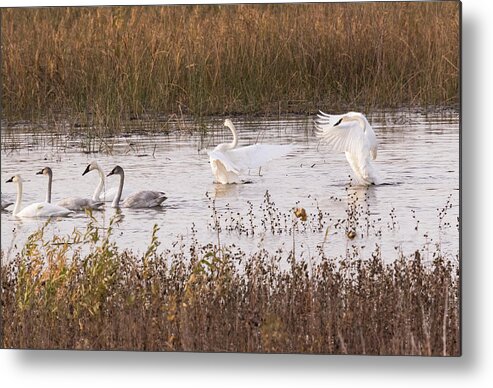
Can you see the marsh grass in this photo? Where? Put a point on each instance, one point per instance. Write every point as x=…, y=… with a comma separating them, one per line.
x=267, y=217
x=82, y=292
x=100, y=66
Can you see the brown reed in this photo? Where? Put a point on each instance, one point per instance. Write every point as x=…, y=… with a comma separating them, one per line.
x=82, y=292
x=104, y=64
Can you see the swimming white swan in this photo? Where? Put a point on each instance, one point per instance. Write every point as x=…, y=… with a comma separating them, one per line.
x=352, y=134
x=228, y=160
x=101, y=194
x=35, y=210
x=71, y=203
x=140, y=199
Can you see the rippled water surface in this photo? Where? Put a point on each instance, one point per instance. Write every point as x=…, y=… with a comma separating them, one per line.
x=418, y=160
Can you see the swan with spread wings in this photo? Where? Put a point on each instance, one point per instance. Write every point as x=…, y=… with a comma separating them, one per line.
x=228, y=160
x=352, y=134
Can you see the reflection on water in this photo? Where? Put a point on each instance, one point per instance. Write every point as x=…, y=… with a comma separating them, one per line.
x=225, y=191
x=418, y=160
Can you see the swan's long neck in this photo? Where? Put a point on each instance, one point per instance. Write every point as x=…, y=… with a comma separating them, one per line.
x=18, y=200
x=234, y=143
x=116, y=200
x=48, y=193
x=97, y=193
x=362, y=122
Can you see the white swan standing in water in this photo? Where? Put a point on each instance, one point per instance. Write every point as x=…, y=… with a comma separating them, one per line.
x=138, y=200
x=35, y=210
x=228, y=160
x=352, y=134
x=71, y=203
x=100, y=193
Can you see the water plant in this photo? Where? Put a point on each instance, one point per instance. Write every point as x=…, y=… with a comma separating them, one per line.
x=81, y=291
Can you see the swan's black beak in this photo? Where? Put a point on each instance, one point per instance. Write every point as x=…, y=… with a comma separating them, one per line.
x=86, y=170
x=39, y=172
x=111, y=173
x=10, y=180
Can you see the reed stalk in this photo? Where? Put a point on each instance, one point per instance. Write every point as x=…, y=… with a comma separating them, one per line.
x=102, y=65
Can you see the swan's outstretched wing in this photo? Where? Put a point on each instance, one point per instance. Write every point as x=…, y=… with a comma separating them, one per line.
x=228, y=164
x=329, y=120
x=144, y=199
x=255, y=156
x=372, y=141
x=225, y=160
x=344, y=136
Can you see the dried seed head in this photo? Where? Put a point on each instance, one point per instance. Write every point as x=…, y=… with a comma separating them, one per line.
x=351, y=234
x=300, y=213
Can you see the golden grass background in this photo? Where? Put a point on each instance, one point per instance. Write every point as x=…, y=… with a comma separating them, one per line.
x=118, y=62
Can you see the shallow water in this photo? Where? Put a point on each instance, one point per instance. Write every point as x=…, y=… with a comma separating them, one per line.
x=418, y=160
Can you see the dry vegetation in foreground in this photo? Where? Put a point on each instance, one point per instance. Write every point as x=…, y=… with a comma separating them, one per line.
x=82, y=292
x=100, y=65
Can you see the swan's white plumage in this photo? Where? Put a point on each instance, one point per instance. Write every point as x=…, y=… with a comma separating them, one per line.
x=71, y=203
x=43, y=210
x=223, y=168
x=352, y=134
x=35, y=210
x=228, y=161
x=252, y=156
x=101, y=193
x=109, y=195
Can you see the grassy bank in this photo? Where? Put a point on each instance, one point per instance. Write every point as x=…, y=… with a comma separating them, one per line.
x=82, y=292
x=102, y=65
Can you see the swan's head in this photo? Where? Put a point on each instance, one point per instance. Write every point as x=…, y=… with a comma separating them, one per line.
x=45, y=171
x=15, y=179
x=116, y=171
x=358, y=117
x=228, y=123
x=91, y=166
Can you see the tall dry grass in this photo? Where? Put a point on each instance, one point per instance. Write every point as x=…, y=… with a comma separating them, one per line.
x=103, y=64
x=82, y=292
